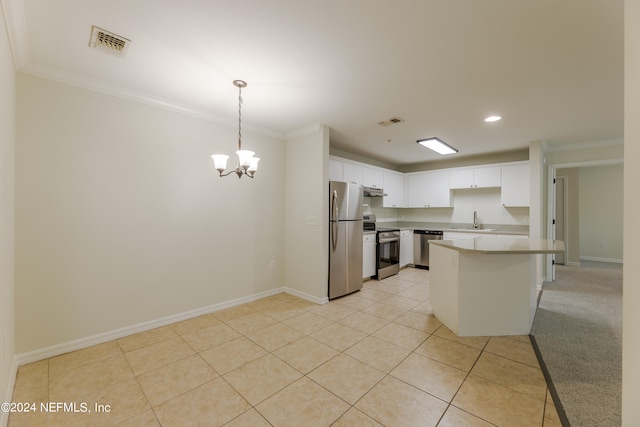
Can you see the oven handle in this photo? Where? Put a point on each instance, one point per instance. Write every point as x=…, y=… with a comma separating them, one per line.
x=390, y=239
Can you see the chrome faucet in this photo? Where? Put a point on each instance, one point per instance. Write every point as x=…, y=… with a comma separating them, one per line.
x=475, y=219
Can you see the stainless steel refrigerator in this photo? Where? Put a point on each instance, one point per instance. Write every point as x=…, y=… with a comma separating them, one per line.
x=345, y=238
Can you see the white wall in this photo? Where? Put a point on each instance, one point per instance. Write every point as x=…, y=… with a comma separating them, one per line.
x=631, y=299
x=121, y=218
x=306, y=220
x=572, y=210
x=600, y=203
x=7, y=224
x=596, y=152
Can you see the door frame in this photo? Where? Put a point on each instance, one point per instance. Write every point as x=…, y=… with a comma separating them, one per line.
x=551, y=174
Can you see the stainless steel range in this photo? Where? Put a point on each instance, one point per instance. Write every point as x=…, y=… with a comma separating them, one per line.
x=387, y=252
x=387, y=247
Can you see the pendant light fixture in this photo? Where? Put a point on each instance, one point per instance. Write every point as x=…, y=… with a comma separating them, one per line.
x=247, y=163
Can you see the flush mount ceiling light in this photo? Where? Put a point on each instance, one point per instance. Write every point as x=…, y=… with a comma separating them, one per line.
x=491, y=119
x=247, y=164
x=437, y=145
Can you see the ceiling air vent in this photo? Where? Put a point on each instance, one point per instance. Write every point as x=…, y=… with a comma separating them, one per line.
x=391, y=121
x=108, y=42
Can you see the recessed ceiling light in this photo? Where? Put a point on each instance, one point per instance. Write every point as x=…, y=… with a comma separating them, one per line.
x=492, y=119
x=437, y=145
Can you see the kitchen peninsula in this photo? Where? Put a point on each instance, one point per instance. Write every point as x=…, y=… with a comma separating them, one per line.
x=486, y=286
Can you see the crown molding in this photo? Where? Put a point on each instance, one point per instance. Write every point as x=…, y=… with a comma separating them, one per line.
x=139, y=97
x=16, y=31
x=305, y=131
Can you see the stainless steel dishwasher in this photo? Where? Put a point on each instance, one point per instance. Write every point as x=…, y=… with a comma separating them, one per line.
x=421, y=246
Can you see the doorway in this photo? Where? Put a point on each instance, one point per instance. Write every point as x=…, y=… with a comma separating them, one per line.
x=560, y=232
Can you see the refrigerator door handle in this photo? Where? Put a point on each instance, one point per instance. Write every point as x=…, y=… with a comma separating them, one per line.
x=335, y=215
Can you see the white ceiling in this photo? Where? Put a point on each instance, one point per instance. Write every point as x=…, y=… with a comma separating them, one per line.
x=552, y=68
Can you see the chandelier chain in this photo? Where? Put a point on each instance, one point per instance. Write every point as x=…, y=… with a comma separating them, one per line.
x=239, y=117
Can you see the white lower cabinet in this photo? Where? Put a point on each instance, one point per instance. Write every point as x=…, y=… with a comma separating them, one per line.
x=368, y=255
x=406, y=247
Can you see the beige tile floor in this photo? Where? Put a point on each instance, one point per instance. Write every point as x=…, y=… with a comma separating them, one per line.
x=374, y=358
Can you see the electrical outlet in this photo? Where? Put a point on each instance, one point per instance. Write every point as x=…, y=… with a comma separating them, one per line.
x=603, y=244
x=272, y=265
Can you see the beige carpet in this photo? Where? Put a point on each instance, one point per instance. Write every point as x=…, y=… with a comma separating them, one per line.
x=578, y=331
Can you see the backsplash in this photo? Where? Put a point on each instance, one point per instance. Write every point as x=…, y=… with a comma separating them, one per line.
x=485, y=201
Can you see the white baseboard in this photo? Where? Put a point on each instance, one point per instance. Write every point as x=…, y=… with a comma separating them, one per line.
x=572, y=264
x=306, y=296
x=590, y=258
x=13, y=372
x=58, y=349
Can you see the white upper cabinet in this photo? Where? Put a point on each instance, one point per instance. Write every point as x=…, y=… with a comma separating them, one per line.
x=428, y=190
x=335, y=170
x=461, y=178
x=352, y=173
x=372, y=177
x=475, y=177
x=515, y=185
x=394, y=189
x=432, y=189
x=487, y=177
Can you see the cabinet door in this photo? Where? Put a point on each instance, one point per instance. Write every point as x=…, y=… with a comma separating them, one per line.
x=487, y=177
x=461, y=178
x=352, y=173
x=439, y=193
x=406, y=247
x=394, y=188
x=475, y=177
x=429, y=190
x=368, y=255
x=335, y=170
x=515, y=186
x=416, y=190
x=372, y=177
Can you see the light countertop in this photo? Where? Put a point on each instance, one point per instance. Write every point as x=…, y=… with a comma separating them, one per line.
x=502, y=245
x=457, y=227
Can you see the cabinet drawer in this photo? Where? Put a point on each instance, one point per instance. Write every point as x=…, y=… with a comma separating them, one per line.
x=369, y=238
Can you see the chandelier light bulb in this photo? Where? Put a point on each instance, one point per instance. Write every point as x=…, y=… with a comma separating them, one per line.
x=220, y=161
x=244, y=157
x=254, y=165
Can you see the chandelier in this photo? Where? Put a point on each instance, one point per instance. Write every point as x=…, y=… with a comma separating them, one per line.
x=247, y=164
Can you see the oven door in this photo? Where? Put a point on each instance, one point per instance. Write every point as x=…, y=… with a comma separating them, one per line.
x=387, y=257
